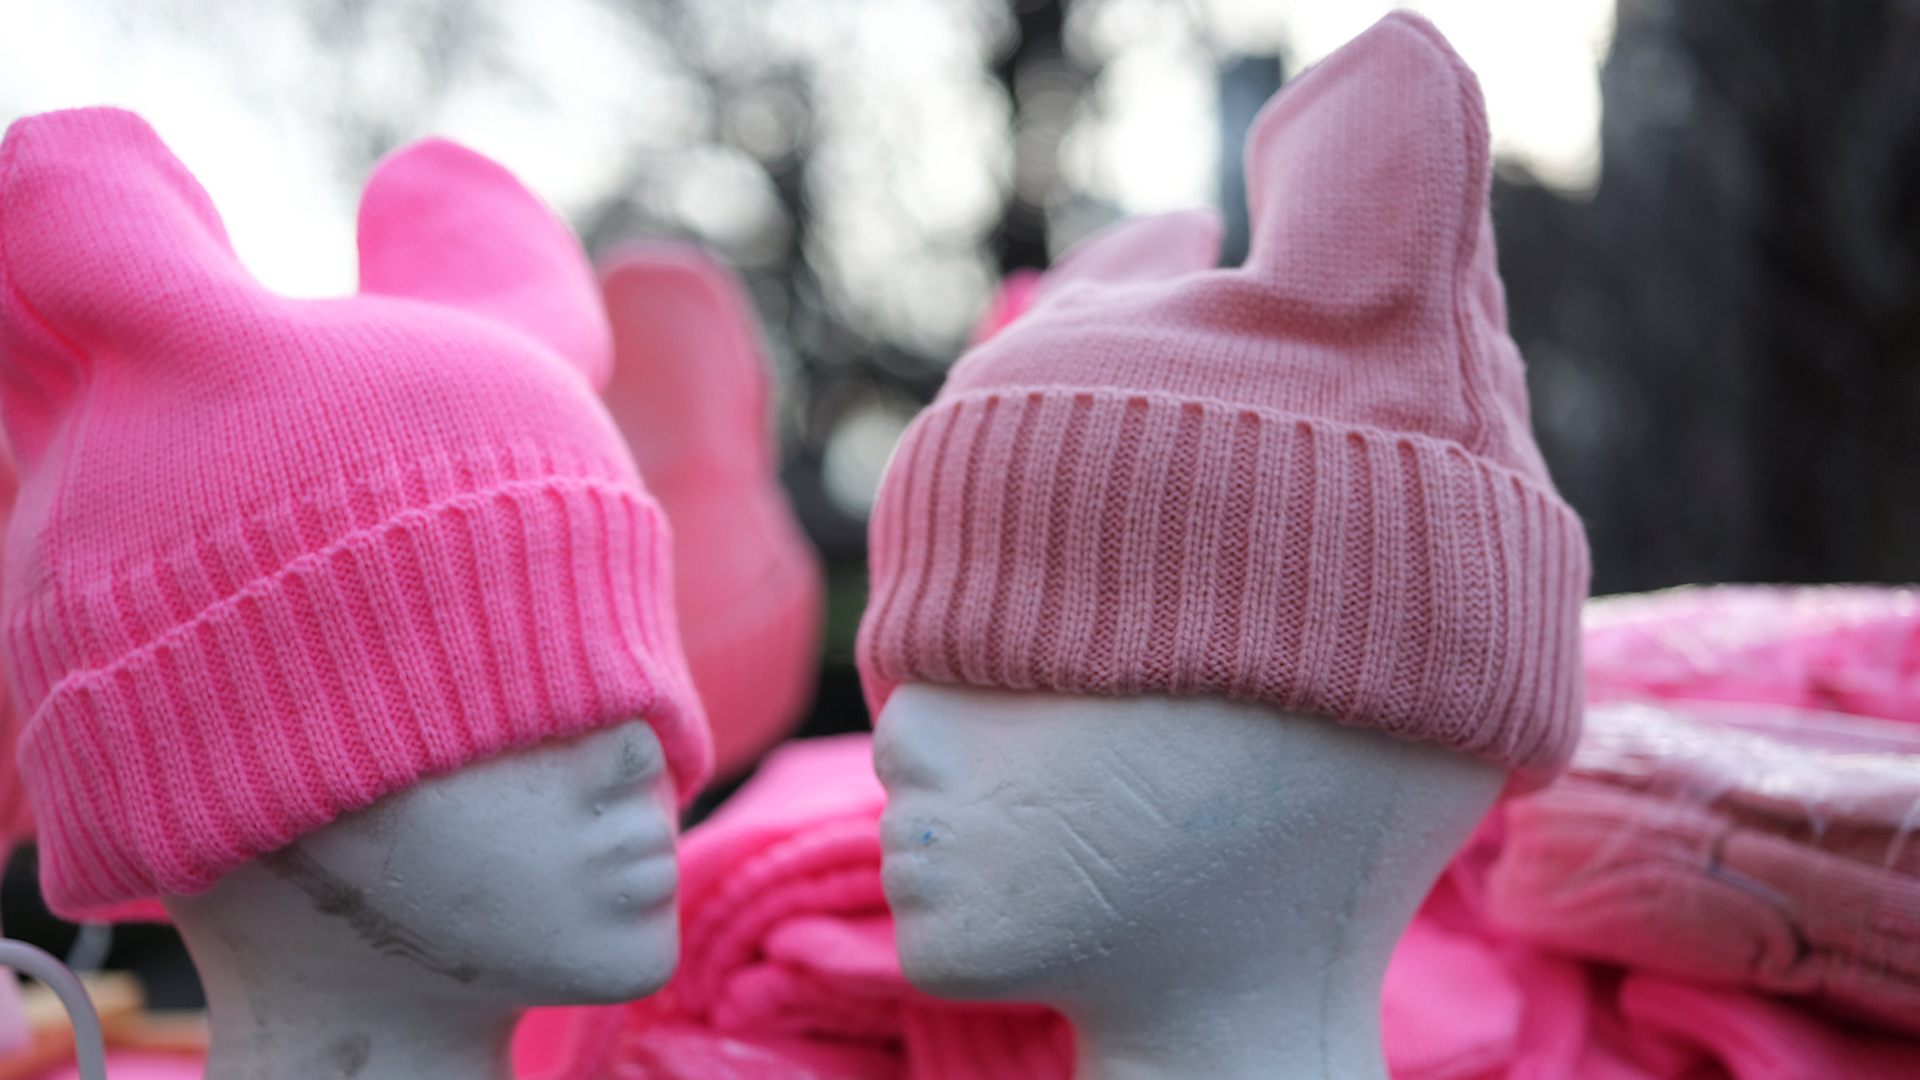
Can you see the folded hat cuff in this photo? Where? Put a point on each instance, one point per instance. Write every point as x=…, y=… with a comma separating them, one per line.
x=487, y=621
x=1114, y=543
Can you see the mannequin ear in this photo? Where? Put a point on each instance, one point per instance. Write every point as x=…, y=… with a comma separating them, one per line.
x=1366, y=177
x=688, y=377
x=103, y=234
x=441, y=223
x=1141, y=250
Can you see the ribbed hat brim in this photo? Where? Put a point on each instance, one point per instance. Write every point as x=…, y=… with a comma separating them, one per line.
x=487, y=621
x=1112, y=543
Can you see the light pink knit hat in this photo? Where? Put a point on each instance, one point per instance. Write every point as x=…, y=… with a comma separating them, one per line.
x=1307, y=482
x=273, y=558
x=689, y=391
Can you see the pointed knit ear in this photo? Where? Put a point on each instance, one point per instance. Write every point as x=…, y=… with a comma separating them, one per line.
x=689, y=380
x=1141, y=250
x=1366, y=177
x=441, y=223
x=105, y=240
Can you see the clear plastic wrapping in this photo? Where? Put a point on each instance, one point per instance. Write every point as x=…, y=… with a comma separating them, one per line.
x=1742, y=844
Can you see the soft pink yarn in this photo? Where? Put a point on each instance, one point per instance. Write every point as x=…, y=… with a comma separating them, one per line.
x=689, y=391
x=1308, y=482
x=273, y=558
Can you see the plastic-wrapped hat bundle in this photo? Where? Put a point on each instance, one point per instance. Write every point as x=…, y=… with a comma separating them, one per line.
x=272, y=558
x=689, y=391
x=1737, y=845
x=1715, y=823
x=1307, y=482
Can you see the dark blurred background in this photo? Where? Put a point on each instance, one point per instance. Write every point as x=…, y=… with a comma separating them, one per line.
x=1720, y=309
x=1724, y=343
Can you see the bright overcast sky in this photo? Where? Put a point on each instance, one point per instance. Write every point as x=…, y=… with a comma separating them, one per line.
x=291, y=217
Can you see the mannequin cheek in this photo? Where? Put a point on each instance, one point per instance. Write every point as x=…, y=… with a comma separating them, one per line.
x=910, y=865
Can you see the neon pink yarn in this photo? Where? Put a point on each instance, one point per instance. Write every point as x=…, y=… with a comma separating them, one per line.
x=272, y=558
x=689, y=391
x=1308, y=482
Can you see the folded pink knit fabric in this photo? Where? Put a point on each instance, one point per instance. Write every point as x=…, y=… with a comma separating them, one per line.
x=1850, y=649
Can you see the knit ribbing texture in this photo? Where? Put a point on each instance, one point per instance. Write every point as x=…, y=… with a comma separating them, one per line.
x=1307, y=482
x=273, y=559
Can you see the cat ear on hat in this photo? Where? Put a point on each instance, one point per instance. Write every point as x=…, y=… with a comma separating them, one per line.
x=689, y=378
x=443, y=224
x=105, y=241
x=1366, y=178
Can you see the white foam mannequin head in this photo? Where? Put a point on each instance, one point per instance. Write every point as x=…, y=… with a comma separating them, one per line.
x=405, y=939
x=1204, y=887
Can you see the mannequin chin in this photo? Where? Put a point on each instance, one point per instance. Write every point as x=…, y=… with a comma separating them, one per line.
x=406, y=937
x=1204, y=887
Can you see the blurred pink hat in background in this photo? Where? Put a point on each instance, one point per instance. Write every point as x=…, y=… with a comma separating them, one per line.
x=689, y=392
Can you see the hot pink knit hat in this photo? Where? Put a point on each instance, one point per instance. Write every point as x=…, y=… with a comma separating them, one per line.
x=1307, y=482
x=689, y=391
x=273, y=559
